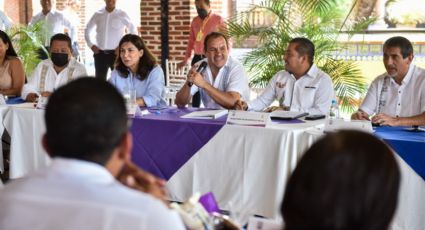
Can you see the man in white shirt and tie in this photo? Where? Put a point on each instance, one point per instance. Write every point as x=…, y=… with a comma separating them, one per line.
x=110, y=25
x=51, y=73
x=397, y=97
x=55, y=22
x=301, y=87
x=91, y=183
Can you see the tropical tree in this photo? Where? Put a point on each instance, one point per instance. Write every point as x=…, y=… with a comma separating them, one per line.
x=27, y=40
x=322, y=21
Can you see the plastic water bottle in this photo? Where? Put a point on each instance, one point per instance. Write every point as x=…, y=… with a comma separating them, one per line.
x=333, y=111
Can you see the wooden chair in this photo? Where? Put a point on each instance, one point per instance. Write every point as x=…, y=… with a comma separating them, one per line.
x=175, y=79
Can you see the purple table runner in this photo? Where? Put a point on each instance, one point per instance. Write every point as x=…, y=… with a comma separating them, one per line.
x=163, y=142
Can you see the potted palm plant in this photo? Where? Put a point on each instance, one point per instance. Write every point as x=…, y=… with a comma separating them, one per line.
x=27, y=41
x=318, y=20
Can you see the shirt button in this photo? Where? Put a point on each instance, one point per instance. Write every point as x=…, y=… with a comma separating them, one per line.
x=399, y=91
x=398, y=104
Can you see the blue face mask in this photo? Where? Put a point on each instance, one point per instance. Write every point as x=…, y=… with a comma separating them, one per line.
x=59, y=59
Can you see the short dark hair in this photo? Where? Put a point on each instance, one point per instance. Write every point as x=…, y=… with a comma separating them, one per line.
x=61, y=37
x=10, y=52
x=85, y=119
x=304, y=47
x=213, y=35
x=206, y=1
x=146, y=63
x=403, y=43
x=346, y=180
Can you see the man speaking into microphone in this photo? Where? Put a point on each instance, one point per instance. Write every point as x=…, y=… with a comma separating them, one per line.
x=221, y=83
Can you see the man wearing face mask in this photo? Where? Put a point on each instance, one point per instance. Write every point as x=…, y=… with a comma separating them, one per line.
x=52, y=73
x=205, y=23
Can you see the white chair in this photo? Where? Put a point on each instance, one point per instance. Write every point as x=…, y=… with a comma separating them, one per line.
x=175, y=79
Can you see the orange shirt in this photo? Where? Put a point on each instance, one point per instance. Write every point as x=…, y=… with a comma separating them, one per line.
x=199, y=29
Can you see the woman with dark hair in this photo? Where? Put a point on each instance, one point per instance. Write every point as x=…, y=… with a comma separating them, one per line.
x=137, y=69
x=12, y=74
x=347, y=180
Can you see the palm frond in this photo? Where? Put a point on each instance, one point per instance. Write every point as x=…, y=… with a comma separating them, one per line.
x=320, y=21
x=27, y=40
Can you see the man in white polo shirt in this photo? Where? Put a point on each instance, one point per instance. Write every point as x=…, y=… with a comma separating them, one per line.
x=300, y=87
x=397, y=97
x=111, y=25
x=224, y=80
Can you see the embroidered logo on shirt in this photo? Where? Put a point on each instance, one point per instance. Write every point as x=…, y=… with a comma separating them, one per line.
x=280, y=84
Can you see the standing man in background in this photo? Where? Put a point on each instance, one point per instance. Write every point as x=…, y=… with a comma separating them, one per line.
x=55, y=23
x=203, y=24
x=111, y=25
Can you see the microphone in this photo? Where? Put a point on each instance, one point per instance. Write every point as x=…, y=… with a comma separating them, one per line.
x=200, y=69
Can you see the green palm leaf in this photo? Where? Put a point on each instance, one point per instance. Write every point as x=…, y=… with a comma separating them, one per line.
x=318, y=20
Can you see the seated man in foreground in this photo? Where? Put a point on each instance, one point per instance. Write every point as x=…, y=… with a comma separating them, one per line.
x=51, y=73
x=222, y=83
x=300, y=87
x=87, y=135
x=397, y=97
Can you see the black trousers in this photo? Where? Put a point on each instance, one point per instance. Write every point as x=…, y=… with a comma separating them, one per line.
x=102, y=61
x=196, y=99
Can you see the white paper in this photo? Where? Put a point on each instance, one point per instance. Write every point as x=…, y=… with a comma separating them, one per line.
x=205, y=114
x=239, y=117
x=256, y=223
x=338, y=124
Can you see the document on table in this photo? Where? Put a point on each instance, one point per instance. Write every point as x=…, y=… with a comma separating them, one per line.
x=205, y=114
x=286, y=115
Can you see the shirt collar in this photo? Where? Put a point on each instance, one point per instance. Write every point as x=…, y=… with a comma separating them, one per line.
x=81, y=169
x=408, y=76
x=52, y=12
x=313, y=71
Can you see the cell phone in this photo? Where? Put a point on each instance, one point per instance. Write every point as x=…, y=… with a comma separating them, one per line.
x=315, y=117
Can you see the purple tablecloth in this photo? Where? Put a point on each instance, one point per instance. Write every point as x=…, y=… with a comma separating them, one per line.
x=163, y=142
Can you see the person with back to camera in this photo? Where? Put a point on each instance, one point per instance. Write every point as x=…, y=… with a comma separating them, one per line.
x=91, y=183
x=12, y=74
x=137, y=69
x=348, y=180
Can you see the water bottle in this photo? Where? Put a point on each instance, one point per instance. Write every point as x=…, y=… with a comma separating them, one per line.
x=333, y=111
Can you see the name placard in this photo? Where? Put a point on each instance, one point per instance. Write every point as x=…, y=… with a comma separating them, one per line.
x=239, y=117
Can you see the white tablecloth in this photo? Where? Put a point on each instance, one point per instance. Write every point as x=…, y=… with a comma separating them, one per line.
x=26, y=127
x=245, y=167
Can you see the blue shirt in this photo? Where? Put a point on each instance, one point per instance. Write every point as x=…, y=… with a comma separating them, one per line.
x=151, y=89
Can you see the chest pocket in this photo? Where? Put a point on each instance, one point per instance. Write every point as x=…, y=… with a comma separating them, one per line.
x=116, y=24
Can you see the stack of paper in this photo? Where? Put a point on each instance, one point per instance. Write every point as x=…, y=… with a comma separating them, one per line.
x=205, y=114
